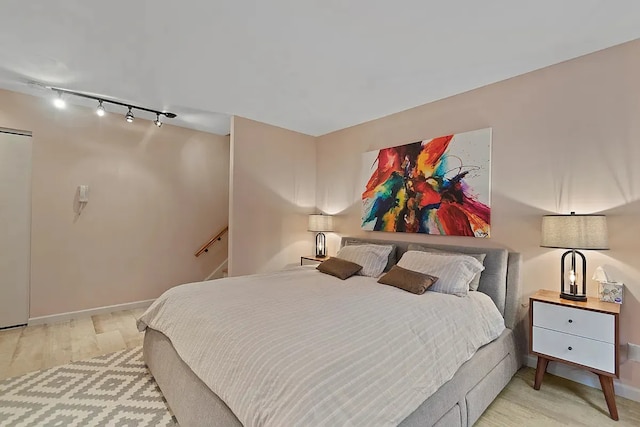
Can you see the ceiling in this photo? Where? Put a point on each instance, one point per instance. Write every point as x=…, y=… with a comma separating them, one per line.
x=313, y=66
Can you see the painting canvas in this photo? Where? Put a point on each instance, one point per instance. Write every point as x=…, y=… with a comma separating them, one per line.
x=435, y=186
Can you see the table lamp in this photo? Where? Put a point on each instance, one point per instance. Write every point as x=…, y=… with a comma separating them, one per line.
x=574, y=232
x=320, y=223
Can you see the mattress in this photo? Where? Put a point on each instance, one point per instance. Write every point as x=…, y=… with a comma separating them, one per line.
x=303, y=348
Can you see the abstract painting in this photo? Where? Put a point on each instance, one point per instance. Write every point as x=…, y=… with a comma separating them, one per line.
x=435, y=186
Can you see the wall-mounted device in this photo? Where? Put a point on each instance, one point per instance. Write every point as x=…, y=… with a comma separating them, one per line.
x=83, y=197
x=83, y=193
x=633, y=352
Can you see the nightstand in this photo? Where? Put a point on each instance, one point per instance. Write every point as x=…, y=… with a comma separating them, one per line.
x=312, y=260
x=581, y=334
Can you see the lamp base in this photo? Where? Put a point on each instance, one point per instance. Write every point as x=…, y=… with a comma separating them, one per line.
x=573, y=297
x=321, y=245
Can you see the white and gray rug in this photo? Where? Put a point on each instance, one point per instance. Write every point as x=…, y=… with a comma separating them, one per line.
x=111, y=390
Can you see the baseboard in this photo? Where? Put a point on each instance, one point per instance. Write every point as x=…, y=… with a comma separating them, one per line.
x=218, y=272
x=584, y=377
x=63, y=317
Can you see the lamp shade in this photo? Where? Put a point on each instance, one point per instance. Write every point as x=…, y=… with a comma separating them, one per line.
x=318, y=222
x=575, y=232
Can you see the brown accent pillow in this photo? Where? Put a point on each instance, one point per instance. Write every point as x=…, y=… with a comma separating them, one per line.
x=341, y=268
x=408, y=280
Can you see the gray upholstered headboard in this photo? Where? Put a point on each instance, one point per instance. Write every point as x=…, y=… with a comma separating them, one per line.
x=500, y=279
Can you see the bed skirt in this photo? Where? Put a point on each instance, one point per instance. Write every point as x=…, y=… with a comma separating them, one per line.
x=459, y=402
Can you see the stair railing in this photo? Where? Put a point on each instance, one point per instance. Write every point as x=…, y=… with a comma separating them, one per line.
x=205, y=248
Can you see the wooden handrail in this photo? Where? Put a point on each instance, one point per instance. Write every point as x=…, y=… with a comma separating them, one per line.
x=205, y=247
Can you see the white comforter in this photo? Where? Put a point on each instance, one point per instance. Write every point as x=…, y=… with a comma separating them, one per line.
x=301, y=348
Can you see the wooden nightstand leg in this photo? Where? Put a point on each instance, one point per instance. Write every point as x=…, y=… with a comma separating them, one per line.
x=540, y=370
x=609, y=395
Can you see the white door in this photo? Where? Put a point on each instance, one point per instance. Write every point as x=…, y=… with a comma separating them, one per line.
x=15, y=226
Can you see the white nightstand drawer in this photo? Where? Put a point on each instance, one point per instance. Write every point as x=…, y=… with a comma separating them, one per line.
x=584, y=323
x=594, y=354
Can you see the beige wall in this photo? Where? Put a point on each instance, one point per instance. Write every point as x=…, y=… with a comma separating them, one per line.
x=272, y=189
x=155, y=196
x=565, y=138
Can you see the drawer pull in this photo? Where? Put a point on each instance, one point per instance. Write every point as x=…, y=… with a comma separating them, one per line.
x=570, y=321
x=570, y=348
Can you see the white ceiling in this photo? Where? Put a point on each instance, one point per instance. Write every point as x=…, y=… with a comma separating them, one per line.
x=314, y=66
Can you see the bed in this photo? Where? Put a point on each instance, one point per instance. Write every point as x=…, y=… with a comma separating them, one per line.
x=459, y=399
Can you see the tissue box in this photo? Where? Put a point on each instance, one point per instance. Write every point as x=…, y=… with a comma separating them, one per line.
x=611, y=292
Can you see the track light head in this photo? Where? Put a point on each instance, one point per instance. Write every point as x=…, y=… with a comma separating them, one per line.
x=157, y=121
x=129, y=117
x=59, y=102
x=100, y=110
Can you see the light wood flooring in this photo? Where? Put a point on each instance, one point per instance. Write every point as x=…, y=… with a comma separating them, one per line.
x=38, y=347
x=559, y=402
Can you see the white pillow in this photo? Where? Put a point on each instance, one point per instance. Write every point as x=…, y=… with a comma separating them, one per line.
x=454, y=272
x=372, y=258
x=475, y=282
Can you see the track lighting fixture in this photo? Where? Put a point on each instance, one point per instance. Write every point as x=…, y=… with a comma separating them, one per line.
x=100, y=110
x=59, y=102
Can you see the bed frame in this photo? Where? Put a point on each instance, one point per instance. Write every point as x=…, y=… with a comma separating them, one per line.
x=459, y=402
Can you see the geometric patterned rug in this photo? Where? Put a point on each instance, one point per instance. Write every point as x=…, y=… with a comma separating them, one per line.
x=111, y=390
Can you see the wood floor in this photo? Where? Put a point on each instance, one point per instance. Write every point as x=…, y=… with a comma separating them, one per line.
x=559, y=402
x=38, y=347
